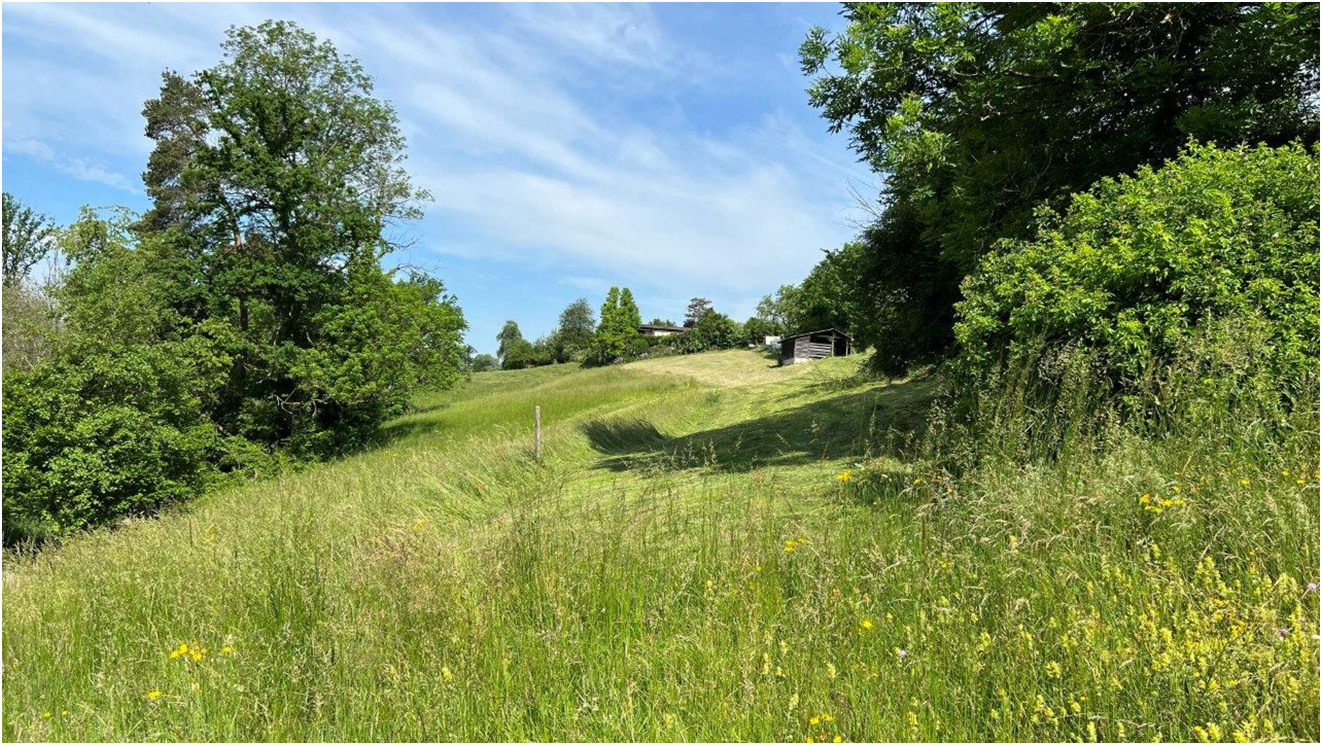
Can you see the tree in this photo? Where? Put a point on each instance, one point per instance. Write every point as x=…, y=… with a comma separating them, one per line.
x=484, y=363
x=712, y=331
x=664, y=322
x=630, y=318
x=825, y=298
x=573, y=337
x=757, y=329
x=28, y=238
x=977, y=113
x=273, y=176
x=617, y=330
x=776, y=312
x=698, y=307
x=514, y=351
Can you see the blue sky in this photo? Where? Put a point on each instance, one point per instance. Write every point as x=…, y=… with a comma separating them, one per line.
x=568, y=148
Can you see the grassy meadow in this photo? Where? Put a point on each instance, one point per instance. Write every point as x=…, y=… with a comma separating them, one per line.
x=713, y=548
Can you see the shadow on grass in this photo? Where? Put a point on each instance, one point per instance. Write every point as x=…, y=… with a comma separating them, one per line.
x=871, y=423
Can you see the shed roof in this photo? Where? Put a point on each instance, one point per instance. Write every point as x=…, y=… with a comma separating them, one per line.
x=831, y=330
x=655, y=327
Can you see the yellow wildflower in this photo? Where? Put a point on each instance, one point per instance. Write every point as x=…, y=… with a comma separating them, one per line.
x=845, y=476
x=1145, y=499
x=1243, y=482
x=153, y=695
x=227, y=649
x=837, y=739
x=814, y=721
x=46, y=715
x=867, y=623
x=1053, y=669
x=445, y=672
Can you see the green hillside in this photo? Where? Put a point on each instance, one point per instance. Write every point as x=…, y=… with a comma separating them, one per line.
x=713, y=548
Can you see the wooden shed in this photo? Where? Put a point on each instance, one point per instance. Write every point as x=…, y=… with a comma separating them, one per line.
x=814, y=345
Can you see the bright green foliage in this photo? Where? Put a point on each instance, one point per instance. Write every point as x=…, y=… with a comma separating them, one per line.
x=572, y=339
x=825, y=298
x=1140, y=268
x=273, y=177
x=698, y=307
x=27, y=239
x=514, y=351
x=977, y=113
x=246, y=317
x=100, y=434
x=484, y=363
x=629, y=315
x=761, y=550
x=774, y=312
x=712, y=331
x=617, y=331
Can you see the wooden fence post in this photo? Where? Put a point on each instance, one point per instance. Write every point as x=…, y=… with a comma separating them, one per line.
x=537, y=432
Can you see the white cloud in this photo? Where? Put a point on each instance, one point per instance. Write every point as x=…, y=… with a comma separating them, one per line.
x=77, y=167
x=525, y=132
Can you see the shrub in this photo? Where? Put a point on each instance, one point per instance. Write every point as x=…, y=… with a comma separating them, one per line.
x=1149, y=271
x=712, y=331
x=93, y=437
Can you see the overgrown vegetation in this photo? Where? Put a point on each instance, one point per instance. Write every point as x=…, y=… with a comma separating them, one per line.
x=1208, y=263
x=1096, y=519
x=713, y=548
x=977, y=114
x=246, y=318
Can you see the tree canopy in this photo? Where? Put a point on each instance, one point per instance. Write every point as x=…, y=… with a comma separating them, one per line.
x=27, y=239
x=247, y=314
x=977, y=113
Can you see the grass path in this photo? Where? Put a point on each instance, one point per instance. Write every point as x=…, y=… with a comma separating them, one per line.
x=685, y=564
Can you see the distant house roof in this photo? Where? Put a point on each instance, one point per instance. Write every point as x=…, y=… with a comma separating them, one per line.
x=654, y=327
x=832, y=330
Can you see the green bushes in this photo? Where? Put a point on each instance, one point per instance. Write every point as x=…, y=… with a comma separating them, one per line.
x=95, y=436
x=227, y=333
x=1208, y=265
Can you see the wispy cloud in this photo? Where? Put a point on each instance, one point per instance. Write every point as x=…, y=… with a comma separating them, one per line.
x=557, y=138
x=77, y=167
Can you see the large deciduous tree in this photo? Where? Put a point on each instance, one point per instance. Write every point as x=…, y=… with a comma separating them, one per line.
x=573, y=337
x=977, y=113
x=274, y=179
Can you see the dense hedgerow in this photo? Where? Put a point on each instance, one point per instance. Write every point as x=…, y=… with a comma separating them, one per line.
x=1208, y=264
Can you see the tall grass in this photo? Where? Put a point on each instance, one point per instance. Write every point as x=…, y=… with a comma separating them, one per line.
x=778, y=560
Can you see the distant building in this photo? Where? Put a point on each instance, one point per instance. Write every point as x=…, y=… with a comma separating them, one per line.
x=648, y=329
x=814, y=345
x=770, y=341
